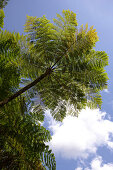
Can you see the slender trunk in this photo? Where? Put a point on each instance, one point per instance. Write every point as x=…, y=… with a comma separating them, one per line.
x=48, y=71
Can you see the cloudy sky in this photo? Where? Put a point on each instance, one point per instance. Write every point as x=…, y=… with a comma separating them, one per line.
x=86, y=142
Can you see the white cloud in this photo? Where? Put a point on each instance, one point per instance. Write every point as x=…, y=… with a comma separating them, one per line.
x=78, y=137
x=97, y=164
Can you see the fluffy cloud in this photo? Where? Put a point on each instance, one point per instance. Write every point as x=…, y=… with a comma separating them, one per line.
x=97, y=164
x=78, y=137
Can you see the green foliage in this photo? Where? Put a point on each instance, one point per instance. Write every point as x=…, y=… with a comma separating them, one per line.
x=1, y=18
x=3, y=3
x=78, y=70
x=9, y=70
x=22, y=139
x=76, y=79
x=10, y=50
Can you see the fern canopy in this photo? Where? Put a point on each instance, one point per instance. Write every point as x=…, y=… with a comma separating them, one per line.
x=78, y=73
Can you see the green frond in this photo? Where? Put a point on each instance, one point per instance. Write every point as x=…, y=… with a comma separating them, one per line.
x=23, y=140
x=1, y=18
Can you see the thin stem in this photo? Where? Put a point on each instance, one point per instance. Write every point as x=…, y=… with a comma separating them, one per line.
x=48, y=71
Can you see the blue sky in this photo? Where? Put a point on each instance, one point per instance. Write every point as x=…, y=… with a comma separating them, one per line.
x=84, y=143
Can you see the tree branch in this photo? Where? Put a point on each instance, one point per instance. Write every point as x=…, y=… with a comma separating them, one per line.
x=47, y=72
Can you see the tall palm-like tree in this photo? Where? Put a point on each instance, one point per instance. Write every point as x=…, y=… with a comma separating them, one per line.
x=63, y=64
